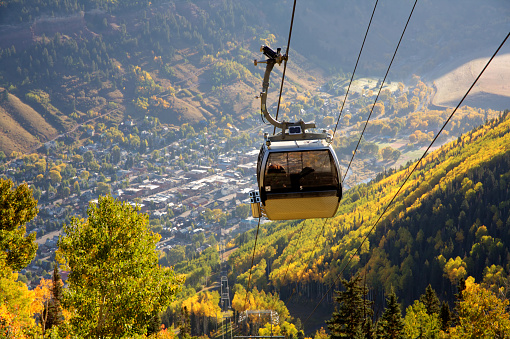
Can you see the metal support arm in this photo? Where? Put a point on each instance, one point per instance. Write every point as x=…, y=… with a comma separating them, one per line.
x=276, y=57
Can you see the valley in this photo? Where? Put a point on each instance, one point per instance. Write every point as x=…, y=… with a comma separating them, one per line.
x=145, y=114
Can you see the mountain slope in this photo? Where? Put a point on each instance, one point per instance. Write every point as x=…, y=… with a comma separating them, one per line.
x=199, y=54
x=490, y=91
x=22, y=128
x=457, y=203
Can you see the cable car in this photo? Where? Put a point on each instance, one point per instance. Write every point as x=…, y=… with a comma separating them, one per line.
x=298, y=174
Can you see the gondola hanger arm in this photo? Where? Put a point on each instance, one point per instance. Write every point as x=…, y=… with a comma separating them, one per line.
x=275, y=57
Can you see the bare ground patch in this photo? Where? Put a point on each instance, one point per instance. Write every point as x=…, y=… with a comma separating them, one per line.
x=491, y=91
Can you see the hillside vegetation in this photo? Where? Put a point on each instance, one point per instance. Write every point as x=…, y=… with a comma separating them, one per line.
x=449, y=224
x=75, y=60
x=450, y=221
x=189, y=61
x=122, y=92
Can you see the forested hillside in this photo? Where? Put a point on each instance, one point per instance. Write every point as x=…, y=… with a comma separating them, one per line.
x=450, y=221
x=76, y=60
x=189, y=61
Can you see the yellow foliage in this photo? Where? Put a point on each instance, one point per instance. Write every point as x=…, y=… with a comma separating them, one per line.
x=165, y=333
x=18, y=306
x=205, y=304
x=286, y=329
x=481, y=314
x=269, y=40
x=302, y=99
x=259, y=301
x=455, y=269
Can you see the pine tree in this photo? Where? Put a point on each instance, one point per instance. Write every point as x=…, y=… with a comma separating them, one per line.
x=445, y=316
x=54, y=306
x=391, y=325
x=368, y=329
x=185, y=325
x=461, y=286
x=430, y=300
x=351, y=318
x=154, y=325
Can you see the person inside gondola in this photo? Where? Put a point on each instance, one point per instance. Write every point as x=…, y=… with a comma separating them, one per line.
x=276, y=177
x=275, y=168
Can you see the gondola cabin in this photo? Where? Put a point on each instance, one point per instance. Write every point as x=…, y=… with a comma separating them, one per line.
x=298, y=175
x=298, y=179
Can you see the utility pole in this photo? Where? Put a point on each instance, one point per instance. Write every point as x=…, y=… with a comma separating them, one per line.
x=225, y=303
x=225, y=295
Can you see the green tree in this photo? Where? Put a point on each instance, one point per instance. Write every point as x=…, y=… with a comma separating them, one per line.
x=93, y=166
x=115, y=285
x=176, y=255
x=445, y=316
x=57, y=295
x=103, y=188
x=353, y=311
x=430, y=300
x=53, y=310
x=17, y=207
x=115, y=154
x=55, y=177
x=77, y=159
x=419, y=324
x=389, y=153
x=66, y=191
x=76, y=187
x=243, y=211
x=84, y=175
x=88, y=156
x=391, y=325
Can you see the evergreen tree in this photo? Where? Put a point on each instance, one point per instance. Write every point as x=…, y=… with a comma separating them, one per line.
x=54, y=317
x=154, y=325
x=461, y=286
x=52, y=313
x=185, y=325
x=391, y=325
x=368, y=329
x=445, y=316
x=430, y=300
x=352, y=315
